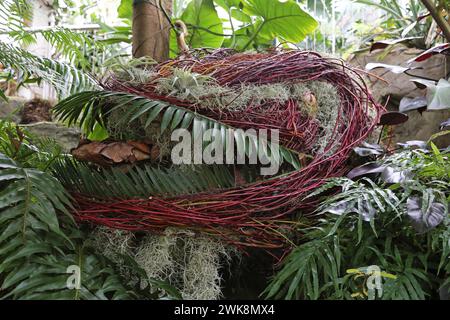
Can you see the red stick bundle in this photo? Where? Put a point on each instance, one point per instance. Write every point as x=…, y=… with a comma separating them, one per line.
x=251, y=215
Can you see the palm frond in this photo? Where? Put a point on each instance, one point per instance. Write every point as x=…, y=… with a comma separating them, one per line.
x=33, y=195
x=66, y=79
x=14, y=14
x=71, y=44
x=408, y=286
x=307, y=271
x=91, y=107
x=141, y=181
x=47, y=276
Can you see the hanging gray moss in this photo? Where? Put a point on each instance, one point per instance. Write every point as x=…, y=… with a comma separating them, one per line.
x=328, y=102
x=190, y=262
x=114, y=244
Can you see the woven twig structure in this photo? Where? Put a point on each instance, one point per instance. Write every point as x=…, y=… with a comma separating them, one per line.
x=251, y=215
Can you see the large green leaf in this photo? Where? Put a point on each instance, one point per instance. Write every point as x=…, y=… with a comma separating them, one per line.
x=285, y=20
x=35, y=252
x=125, y=9
x=205, y=26
x=234, y=8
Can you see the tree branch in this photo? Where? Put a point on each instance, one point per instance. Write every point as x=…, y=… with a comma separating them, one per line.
x=437, y=16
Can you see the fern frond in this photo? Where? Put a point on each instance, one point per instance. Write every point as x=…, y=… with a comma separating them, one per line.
x=35, y=253
x=358, y=197
x=31, y=151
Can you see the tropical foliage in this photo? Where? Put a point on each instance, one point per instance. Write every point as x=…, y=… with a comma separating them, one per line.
x=39, y=240
x=391, y=213
x=395, y=218
x=248, y=23
x=44, y=254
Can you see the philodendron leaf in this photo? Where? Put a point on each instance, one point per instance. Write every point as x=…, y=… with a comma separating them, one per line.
x=439, y=49
x=125, y=9
x=439, y=95
x=425, y=221
x=285, y=19
x=205, y=26
x=368, y=149
x=393, y=68
x=445, y=124
x=409, y=104
x=390, y=175
x=365, y=170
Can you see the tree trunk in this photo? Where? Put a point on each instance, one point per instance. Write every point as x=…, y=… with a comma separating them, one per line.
x=151, y=29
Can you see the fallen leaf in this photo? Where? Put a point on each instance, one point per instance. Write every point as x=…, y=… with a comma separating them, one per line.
x=114, y=152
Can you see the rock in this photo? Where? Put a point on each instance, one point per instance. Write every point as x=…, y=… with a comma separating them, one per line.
x=68, y=138
x=419, y=127
x=11, y=110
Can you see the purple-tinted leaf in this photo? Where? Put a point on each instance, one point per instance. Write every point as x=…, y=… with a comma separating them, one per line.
x=386, y=43
x=408, y=104
x=445, y=124
x=365, y=170
x=389, y=175
x=424, y=221
x=368, y=149
x=439, y=49
x=423, y=84
x=394, y=69
x=393, y=118
x=366, y=211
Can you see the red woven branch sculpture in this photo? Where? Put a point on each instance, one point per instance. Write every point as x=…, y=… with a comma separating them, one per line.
x=251, y=215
